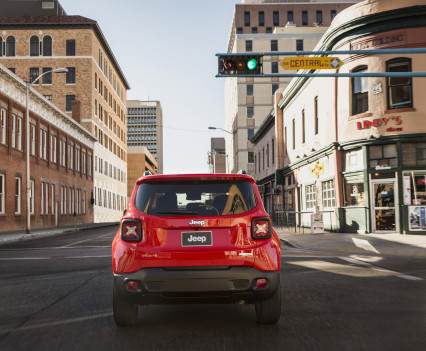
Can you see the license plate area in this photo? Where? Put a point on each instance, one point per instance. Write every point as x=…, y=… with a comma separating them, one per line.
x=190, y=239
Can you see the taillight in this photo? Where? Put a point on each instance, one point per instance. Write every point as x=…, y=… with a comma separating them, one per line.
x=131, y=230
x=261, y=228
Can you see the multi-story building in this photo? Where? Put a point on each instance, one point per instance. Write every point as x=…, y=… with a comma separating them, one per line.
x=217, y=157
x=267, y=26
x=139, y=160
x=60, y=183
x=31, y=8
x=32, y=45
x=353, y=148
x=145, y=128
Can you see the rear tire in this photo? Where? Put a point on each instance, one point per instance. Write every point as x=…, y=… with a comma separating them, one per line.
x=269, y=311
x=125, y=313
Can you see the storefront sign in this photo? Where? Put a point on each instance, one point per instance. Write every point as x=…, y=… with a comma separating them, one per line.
x=417, y=218
x=407, y=190
x=389, y=122
x=317, y=170
x=381, y=168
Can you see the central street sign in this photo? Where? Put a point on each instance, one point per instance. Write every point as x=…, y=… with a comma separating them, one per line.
x=294, y=63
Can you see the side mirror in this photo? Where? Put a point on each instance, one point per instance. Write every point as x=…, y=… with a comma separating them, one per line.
x=124, y=212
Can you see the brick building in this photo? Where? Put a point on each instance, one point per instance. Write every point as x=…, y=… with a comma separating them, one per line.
x=31, y=45
x=61, y=161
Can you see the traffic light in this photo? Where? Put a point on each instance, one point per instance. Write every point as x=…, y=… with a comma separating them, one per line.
x=240, y=64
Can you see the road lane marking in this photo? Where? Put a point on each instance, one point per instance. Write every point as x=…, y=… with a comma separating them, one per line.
x=364, y=244
x=380, y=269
x=82, y=241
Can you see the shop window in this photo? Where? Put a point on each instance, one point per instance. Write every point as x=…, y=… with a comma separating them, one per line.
x=328, y=194
x=354, y=191
x=310, y=196
x=414, y=187
x=414, y=154
x=400, y=90
x=382, y=155
x=359, y=92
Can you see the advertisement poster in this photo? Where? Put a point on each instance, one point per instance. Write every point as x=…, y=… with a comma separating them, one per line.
x=417, y=216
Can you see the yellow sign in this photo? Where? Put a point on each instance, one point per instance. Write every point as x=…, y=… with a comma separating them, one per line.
x=317, y=169
x=293, y=63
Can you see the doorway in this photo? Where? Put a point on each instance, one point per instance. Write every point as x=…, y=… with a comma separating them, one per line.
x=384, y=204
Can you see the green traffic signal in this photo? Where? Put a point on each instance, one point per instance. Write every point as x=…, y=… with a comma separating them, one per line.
x=251, y=64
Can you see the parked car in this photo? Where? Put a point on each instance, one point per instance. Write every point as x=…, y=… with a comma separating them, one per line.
x=196, y=238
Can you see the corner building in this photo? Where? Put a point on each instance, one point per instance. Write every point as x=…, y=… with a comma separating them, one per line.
x=355, y=148
x=32, y=45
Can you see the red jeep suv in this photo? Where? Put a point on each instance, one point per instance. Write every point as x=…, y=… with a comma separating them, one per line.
x=196, y=238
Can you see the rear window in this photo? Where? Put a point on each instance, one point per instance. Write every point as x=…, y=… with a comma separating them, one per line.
x=202, y=198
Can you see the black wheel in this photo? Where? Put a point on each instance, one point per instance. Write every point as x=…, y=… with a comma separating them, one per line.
x=269, y=311
x=125, y=313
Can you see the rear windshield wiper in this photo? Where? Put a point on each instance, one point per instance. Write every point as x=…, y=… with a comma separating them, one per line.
x=178, y=212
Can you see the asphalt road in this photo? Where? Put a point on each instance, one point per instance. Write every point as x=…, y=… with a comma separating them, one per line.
x=56, y=294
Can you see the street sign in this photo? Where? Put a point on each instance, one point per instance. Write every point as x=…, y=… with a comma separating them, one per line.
x=294, y=63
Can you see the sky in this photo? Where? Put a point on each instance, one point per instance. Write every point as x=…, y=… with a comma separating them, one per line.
x=166, y=50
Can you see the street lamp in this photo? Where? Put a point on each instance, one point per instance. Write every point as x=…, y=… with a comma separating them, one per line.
x=27, y=149
x=223, y=130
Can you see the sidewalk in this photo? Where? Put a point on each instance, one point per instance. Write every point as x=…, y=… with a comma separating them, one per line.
x=19, y=235
x=383, y=244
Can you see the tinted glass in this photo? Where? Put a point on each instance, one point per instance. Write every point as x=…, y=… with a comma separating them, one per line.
x=192, y=198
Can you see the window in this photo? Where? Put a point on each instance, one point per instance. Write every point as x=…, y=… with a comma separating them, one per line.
x=304, y=18
x=249, y=89
x=2, y=192
x=294, y=134
x=247, y=19
x=359, y=92
x=70, y=47
x=13, y=131
x=78, y=201
x=250, y=111
x=34, y=73
x=70, y=75
x=53, y=140
x=10, y=46
x=47, y=46
x=19, y=134
x=274, y=45
x=71, y=201
x=261, y=18
x=276, y=18
x=316, y=115
x=400, y=91
x=69, y=100
x=310, y=196
x=250, y=157
x=328, y=194
x=33, y=139
x=77, y=159
x=250, y=133
x=415, y=191
x=48, y=97
x=273, y=150
x=274, y=88
x=43, y=144
x=290, y=17
x=11, y=69
x=249, y=45
x=303, y=127
x=44, y=209
x=299, y=44
x=319, y=17
x=239, y=30
x=17, y=195
x=89, y=165
x=3, y=126
x=47, y=78
x=382, y=155
x=62, y=152
x=354, y=191
x=84, y=162
x=414, y=154
x=254, y=30
x=1, y=46
x=63, y=200
x=71, y=156
x=268, y=29
x=267, y=155
x=333, y=14
x=274, y=67
x=32, y=196
x=52, y=197
x=34, y=46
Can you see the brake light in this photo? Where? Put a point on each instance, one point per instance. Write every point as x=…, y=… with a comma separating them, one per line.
x=131, y=230
x=261, y=228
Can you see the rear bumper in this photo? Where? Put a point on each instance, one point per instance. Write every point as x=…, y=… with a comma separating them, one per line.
x=196, y=284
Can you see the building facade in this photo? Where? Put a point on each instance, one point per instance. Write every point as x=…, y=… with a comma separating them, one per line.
x=33, y=45
x=145, y=128
x=267, y=27
x=354, y=148
x=217, y=158
x=140, y=160
x=61, y=161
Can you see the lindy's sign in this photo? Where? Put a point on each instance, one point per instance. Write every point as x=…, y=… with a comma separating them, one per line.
x=391, y=123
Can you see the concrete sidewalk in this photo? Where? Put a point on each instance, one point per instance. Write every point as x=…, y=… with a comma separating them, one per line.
x=384, y=244
x=7, y=237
